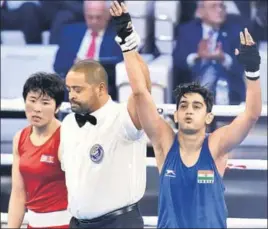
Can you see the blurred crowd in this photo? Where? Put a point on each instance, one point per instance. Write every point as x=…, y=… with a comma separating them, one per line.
x=206, y=37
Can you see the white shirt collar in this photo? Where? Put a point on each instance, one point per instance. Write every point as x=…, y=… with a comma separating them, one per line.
x=101, y=112
x=100, y=33
x=206, y=29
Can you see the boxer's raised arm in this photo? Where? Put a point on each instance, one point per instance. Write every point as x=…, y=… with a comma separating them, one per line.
x=233, y=134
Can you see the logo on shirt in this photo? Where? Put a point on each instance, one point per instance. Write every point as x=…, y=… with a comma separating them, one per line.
x=170, y=173
x=96, y=153
x=205, y=176
x=47, y=159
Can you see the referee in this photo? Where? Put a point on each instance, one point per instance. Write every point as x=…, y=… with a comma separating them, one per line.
x=103, y=149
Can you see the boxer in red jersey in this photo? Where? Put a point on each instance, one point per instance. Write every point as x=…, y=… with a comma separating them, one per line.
x=38, y=183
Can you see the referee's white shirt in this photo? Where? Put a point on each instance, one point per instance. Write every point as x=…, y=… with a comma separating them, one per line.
x=105, y=164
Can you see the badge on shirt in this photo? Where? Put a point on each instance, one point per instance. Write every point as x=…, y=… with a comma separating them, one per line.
x=47, y=159
x=96, y=153
x=205, y=176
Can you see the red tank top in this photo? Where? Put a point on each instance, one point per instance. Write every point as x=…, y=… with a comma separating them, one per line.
x=40, y=168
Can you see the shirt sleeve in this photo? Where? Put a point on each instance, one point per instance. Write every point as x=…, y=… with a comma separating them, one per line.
x=191, y=59
x=61, y=156
x=83, y=47
x=61, y=146
x=129, y=129
x=228, y=61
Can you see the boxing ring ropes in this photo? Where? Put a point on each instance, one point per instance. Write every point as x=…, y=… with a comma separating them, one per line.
x=17, y=105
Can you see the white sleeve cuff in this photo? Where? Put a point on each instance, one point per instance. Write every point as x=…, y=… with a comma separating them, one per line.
x=191, y=59
x=253, y=74
x=228, y=61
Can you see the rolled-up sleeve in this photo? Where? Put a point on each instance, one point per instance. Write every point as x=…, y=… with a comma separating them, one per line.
x=191, y=58
x=130, y=132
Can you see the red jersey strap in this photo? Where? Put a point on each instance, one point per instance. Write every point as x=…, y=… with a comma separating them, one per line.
x=57, y=134
x=25, y=133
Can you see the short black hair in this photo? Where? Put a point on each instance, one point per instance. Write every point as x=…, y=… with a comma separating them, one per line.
x=48, y=84
x=194, y=87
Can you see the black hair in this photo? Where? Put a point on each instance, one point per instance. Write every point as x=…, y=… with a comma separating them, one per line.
x=48, y=84
x=194, y=87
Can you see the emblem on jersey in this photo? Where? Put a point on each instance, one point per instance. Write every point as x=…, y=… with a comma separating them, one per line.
x=47, y=159
x=96, y=153
x=205, y=177
x=170, y=173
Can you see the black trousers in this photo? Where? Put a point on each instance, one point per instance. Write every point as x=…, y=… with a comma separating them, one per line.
x=127, y=217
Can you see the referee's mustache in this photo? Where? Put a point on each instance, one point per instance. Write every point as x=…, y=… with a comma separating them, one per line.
x=74, y=102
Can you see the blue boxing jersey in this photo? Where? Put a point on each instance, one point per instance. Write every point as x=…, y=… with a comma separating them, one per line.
x=191, y=197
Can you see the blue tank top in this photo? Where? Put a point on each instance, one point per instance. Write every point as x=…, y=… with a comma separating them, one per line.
x=191, y=197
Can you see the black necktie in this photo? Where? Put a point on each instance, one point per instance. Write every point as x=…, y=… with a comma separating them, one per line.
x=82, y=119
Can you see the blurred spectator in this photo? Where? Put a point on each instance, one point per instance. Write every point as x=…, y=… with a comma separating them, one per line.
x=91, y=40
x=259, y=24
x=233, y=8
x=239, y=11
x=24, y=16
x=188, y=9
x=55, y=14
x=33, y=17
x=205, y=51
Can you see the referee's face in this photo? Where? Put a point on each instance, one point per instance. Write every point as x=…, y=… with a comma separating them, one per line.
x=83, y=96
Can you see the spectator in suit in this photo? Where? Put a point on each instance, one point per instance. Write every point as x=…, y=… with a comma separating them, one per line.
x=91, y=40
x=24, y=16
x=234, y=9
x=204, y=51
x=55, y=14
x=33, y=17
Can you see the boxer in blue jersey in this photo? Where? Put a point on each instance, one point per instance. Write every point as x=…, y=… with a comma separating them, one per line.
x=191, y=162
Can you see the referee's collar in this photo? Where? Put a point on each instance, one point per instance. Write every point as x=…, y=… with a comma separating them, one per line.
x=103, y=110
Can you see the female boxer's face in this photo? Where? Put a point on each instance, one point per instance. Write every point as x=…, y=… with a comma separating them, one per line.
x=192, y=113
x=40, y=109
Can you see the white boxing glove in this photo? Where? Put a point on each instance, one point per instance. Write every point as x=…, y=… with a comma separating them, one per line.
x=131, y=42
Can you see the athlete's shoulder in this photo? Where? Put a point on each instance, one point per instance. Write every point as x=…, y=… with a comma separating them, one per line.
x=17, y=136
x=21, y=132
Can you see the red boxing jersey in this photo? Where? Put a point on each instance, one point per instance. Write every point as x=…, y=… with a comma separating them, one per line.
x=40, y=168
